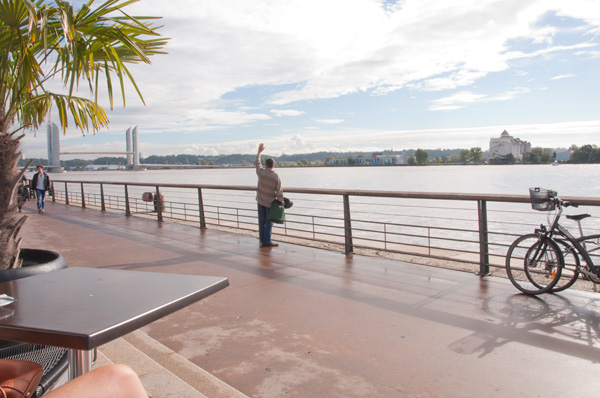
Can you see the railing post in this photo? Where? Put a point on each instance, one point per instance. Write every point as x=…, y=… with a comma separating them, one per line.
x=385, y=246
x=159, y=204
x=201, y=209
x=66, y=194
x=348, y=247
x=82, y=196
x=429, y=241
x=102, y=205
x=484, y=257
x=127, y=209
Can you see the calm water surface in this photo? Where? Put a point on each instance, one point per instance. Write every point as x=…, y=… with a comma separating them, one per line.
x=568, y=180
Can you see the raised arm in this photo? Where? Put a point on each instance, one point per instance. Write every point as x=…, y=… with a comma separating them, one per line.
x=257, y=162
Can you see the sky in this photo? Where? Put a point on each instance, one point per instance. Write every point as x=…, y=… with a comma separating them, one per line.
x=306, y=76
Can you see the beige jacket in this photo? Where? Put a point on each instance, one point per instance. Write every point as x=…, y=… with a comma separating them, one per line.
x=269, y=185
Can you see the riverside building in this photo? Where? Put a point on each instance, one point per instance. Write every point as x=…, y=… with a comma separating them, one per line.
x=506, y=144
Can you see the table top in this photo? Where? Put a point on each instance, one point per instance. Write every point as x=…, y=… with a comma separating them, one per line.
x=83, y=308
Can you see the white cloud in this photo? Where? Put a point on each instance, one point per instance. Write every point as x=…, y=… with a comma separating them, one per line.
x=211, y=117
x=458, y=100
x=562, y=76
x=586, y=10
x=431, y=45
x=286, y=112
x=369, y=140
x=219, y=46
x=307, y=50
x=587, y=46
x=463, y=41
x=453, y=81
x=329, y=121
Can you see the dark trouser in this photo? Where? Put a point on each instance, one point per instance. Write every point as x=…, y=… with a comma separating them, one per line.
x=264, y=225
x=41, y=194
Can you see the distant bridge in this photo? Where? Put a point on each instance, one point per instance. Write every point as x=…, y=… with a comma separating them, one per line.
x=131, y=149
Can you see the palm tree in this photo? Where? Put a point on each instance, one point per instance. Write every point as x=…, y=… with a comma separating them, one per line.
x=41, y=42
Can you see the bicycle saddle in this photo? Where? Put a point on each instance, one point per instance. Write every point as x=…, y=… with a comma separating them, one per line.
x=578, y=217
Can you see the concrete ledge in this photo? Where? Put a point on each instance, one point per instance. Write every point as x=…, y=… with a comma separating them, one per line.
x=159, y=382
x=184, y=369
x=163, y=372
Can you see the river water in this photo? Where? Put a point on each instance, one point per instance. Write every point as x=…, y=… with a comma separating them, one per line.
x=567, y=180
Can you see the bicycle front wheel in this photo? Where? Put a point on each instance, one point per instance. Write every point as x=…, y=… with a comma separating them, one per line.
x=534, y=263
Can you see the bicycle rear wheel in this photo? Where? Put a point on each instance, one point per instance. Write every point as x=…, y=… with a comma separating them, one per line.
x=591, y=244
x=534, y=264
x=570, y=270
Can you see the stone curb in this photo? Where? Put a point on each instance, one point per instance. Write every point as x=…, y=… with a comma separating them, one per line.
x=163, y=372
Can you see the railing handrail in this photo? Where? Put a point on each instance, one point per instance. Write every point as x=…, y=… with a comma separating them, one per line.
x=481, y=201
x=584, y=201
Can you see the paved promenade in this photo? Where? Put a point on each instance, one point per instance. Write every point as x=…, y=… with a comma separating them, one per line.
x=304, y=322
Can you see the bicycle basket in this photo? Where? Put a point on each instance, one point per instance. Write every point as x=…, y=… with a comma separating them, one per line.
x=540, y=199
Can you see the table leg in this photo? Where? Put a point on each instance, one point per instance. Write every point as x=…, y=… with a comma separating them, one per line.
x=80, y=362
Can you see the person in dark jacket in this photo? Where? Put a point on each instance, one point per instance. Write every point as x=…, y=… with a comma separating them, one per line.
x=40, y=183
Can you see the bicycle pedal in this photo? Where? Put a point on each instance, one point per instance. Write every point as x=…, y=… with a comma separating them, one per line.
x=592, y=275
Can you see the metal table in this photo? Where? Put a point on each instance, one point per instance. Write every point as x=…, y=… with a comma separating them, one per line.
x=83, y=308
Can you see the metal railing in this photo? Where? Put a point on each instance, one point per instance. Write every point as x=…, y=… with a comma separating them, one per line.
x=473, y=229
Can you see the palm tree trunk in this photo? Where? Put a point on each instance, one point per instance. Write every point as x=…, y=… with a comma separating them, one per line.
x=10, y=221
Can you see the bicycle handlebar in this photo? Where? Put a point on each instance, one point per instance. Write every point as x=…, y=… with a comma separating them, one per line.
x=567, y=204
x=563, y=203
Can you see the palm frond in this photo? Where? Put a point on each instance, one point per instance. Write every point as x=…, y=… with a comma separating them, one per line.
x=41, y=41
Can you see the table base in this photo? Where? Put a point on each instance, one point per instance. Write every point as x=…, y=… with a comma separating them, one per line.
x=80, y=362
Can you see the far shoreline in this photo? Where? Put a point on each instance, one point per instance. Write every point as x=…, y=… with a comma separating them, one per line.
x=144, y=167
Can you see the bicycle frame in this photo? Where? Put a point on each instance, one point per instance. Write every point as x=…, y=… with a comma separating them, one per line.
x=558, y=230
x=536, y=263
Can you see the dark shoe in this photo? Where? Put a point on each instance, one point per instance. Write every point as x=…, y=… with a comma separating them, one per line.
x=40, y=211
x=272, y=244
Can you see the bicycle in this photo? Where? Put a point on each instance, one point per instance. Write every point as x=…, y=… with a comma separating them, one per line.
x=550, y=260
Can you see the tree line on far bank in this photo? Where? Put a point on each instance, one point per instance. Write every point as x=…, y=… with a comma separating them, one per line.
x=475, y=155
x=579, y=155
x=584, y=154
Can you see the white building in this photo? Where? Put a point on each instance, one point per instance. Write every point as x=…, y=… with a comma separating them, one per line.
x=507, y=144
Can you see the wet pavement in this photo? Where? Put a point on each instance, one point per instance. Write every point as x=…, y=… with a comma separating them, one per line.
x=305, y=322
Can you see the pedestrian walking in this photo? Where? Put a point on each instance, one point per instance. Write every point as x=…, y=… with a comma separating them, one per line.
x=269, y=189
x=22, y=194
x=40, y=183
